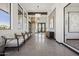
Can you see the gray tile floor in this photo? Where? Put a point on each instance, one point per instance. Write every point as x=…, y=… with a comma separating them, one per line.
x=39, y=45
x=73, y=42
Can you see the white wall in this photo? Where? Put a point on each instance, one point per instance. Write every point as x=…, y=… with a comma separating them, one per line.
x=59, y=21
x=52, y=16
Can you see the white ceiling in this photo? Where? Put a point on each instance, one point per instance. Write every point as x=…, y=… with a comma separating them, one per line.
x=32, y=7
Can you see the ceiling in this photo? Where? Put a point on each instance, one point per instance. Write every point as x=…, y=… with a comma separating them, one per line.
x=37, y=7
x=73, y=5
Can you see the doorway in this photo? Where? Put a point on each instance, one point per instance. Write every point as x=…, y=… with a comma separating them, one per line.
x=41, y=27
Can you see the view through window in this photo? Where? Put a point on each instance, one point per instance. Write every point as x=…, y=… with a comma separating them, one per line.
x=4, y=16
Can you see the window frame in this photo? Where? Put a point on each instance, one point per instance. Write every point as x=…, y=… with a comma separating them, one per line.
x=9, y=17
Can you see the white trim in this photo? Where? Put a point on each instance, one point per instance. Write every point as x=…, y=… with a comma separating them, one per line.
x=76, y=50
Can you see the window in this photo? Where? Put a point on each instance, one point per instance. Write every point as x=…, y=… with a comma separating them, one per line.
x=5, y=20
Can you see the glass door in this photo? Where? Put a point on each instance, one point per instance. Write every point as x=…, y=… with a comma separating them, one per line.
x=41, y=27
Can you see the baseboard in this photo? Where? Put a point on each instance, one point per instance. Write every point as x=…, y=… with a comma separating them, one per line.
x=58, y=42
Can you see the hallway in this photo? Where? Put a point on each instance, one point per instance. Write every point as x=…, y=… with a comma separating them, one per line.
x=39, y=45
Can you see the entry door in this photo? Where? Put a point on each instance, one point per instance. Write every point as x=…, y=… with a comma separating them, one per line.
x=41, y=27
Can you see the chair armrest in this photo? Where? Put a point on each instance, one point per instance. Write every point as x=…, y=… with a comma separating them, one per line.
x=6, y=39
x=10, y=38
x=19, y=35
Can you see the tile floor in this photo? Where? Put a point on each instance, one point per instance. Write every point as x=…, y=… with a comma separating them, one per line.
x=73, y=42
x=39, y=45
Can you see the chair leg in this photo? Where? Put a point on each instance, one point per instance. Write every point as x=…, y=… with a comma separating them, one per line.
x=18, y=48
x=4, y=52
x=18, y=44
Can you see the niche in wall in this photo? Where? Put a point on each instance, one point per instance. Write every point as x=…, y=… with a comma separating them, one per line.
x=52, y=19
x=5, y=16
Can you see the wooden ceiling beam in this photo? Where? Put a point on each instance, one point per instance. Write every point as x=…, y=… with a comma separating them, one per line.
x=33, y=13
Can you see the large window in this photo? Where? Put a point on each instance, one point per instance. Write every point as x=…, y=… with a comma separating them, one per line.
x=5, y=19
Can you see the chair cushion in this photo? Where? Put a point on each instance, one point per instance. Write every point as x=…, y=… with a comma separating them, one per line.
x=2, y=41
x=26, y=37
x=13, y=43
x=29, y=35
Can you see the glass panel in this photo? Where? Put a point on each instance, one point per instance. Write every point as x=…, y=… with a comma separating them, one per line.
x=72, y=25
x=43, y=26
x=39, y=27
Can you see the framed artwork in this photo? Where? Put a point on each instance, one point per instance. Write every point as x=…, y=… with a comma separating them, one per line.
x=25, y=20
x=73, y=21
x=20, y=17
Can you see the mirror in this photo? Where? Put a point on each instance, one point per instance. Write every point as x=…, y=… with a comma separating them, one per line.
x=71, y=13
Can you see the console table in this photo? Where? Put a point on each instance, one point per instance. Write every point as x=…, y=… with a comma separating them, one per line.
x=50, y=34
